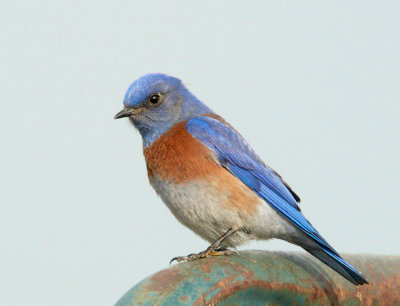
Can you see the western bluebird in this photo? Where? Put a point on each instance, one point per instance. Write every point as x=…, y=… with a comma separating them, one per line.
x=212, y=180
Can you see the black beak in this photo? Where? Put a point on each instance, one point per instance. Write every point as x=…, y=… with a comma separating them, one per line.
x=126, y=112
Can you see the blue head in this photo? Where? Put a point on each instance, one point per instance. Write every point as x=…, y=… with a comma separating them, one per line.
x=156, y=102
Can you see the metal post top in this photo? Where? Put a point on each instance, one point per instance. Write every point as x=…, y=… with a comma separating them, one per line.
x=262, y=277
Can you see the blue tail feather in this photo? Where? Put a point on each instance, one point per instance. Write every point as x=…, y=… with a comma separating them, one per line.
x=338, y=264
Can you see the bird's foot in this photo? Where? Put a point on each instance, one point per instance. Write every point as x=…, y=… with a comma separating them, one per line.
x=213, y=250
x=208, y=252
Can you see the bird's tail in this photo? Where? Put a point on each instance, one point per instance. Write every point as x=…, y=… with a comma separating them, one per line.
x=337, y=263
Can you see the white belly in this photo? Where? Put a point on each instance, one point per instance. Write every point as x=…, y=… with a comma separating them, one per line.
x=200, y=207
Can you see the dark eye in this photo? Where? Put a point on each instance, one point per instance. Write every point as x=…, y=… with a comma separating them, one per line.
x=154, y=99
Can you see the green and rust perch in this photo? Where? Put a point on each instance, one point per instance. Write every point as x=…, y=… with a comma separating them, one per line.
x=268, y=278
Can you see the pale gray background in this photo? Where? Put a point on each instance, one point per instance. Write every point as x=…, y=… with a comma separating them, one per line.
x=314, y=87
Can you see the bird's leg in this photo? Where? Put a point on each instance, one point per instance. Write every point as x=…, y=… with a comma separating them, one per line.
x=212, y=250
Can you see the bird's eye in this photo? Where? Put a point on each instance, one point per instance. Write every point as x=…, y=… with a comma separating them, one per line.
x=154, y=99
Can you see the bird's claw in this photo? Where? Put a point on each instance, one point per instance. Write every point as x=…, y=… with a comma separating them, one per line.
x=204, y=254
x=213, y=250
x=189, y=257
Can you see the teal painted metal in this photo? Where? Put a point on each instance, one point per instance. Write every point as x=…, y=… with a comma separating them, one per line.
x=273, y=278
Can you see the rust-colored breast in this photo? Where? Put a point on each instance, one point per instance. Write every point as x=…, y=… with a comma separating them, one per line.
x=179, y=157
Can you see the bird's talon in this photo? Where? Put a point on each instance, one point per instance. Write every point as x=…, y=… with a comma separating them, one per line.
x=178, y=259
x=204, y=254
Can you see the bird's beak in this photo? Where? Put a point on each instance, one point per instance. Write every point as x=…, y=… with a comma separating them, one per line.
x=126, y=112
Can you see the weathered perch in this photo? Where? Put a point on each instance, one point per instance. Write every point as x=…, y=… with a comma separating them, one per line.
x=268, y=278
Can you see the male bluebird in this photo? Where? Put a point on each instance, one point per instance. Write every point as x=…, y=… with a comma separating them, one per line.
x=212, y=180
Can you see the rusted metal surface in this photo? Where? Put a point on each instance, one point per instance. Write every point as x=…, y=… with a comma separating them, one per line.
x=268, y=278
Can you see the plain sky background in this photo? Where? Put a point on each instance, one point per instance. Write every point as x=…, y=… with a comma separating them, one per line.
x=313, y=85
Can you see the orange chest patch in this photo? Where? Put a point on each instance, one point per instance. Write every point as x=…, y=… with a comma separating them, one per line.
x=179, y=157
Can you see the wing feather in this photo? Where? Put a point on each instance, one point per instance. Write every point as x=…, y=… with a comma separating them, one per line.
x=234, y=154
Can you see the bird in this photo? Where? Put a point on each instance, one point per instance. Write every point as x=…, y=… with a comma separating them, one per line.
x=211, y=179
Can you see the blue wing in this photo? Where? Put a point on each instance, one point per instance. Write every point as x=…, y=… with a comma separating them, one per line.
x=236, y=155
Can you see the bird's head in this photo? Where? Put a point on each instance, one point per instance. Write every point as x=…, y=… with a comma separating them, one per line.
x=156, y=102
